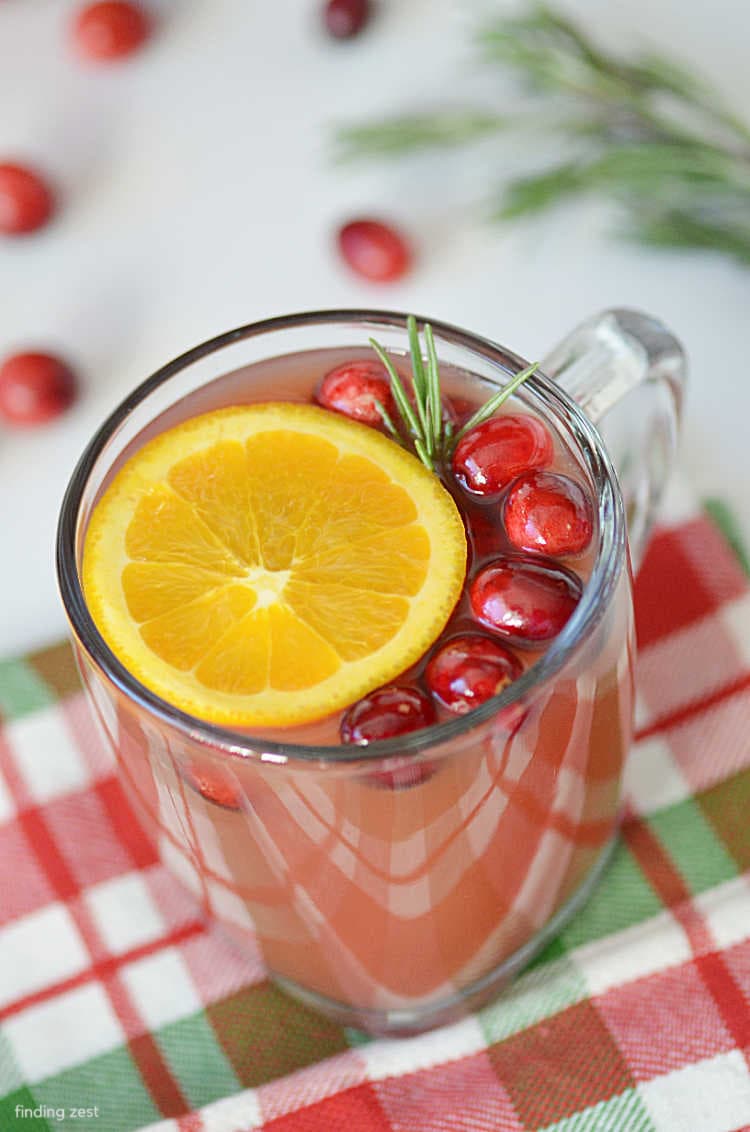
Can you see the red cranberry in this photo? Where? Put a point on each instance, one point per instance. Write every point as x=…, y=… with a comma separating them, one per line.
x=495, y=452
x=212, y=785
x=466, y=671
x=344, y=18
x=523, y=599
x=354, y=388
x=374, y=250
x=110, y=30
x=385, y=714
x=458, y=409
x=34, y=388
x=484, y=533
x=401, y=774
x=26, y=201
x=548, y=512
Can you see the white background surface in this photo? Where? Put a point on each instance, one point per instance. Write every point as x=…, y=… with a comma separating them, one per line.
x=197, y=193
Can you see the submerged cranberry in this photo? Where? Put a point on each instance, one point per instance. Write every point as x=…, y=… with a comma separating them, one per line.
x=374, y=250
x=354, y=388
x=26, y=201
x=484, y=533
x=458, y=409
x=344, y=18
x=402, y=774
x=466, y=671
x=384, y=714
x=34, y=388
x=212, y=785
x=110, y=30
x=549, y=512
x=495, y=452
x=524, y=600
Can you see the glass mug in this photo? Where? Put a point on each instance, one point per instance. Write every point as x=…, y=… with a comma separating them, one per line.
x=397, y=910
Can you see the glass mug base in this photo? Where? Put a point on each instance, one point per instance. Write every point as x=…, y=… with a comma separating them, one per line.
x=418, y=1019
x=393, y=902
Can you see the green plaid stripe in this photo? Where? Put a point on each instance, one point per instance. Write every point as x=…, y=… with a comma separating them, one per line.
x=110, y=1083
x=22, y=689
x=626, y=898
x=693, y=845
x=197, y=1060
x=726, y=521
x=539, y=993
x=24, y=1098
x=11, y=1077
x=623, y=1113
x=286, y=1035
x=726, y=807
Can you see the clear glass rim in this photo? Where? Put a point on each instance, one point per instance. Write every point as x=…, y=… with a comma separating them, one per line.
x=608, y=564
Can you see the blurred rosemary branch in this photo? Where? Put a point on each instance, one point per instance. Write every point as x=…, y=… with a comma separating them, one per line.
x=643, y=131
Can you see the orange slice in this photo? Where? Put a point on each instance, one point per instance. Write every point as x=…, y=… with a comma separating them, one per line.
x=270, y=564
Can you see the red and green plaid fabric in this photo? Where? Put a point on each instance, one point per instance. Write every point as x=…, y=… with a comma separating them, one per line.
x=121, y=1009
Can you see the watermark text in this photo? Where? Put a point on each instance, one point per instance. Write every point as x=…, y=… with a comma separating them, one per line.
x=57, y=1112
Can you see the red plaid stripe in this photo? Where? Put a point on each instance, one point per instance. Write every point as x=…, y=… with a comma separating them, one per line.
x=53, y=863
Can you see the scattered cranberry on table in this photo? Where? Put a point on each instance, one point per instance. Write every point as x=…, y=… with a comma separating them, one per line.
x=524, y=600
x=345, y=18
x=493, y=453
x=26, y=201
x=354, y=389
x=549, y=512
x=110, y=30
x=374, y=250
x=467, y=670
x=34, y=388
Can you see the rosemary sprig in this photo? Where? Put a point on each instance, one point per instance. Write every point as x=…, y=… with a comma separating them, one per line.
x=490, y=407
x=643, y=131
x=424, y=425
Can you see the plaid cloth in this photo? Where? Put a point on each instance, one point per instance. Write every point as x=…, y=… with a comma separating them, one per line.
x=120, y=1008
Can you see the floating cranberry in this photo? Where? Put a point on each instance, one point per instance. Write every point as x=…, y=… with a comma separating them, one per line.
x=213, y=785
x=489, y=456
x=26, y=201
x=354, y=388
x=110, y=30
x=548, y=512
x=525, y=600
x=374, y=250
x=385, y=714
x=344, y=18
x=34, y=388
x=466, y=671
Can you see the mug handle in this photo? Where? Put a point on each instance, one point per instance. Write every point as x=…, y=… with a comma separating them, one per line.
x=628, y=372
